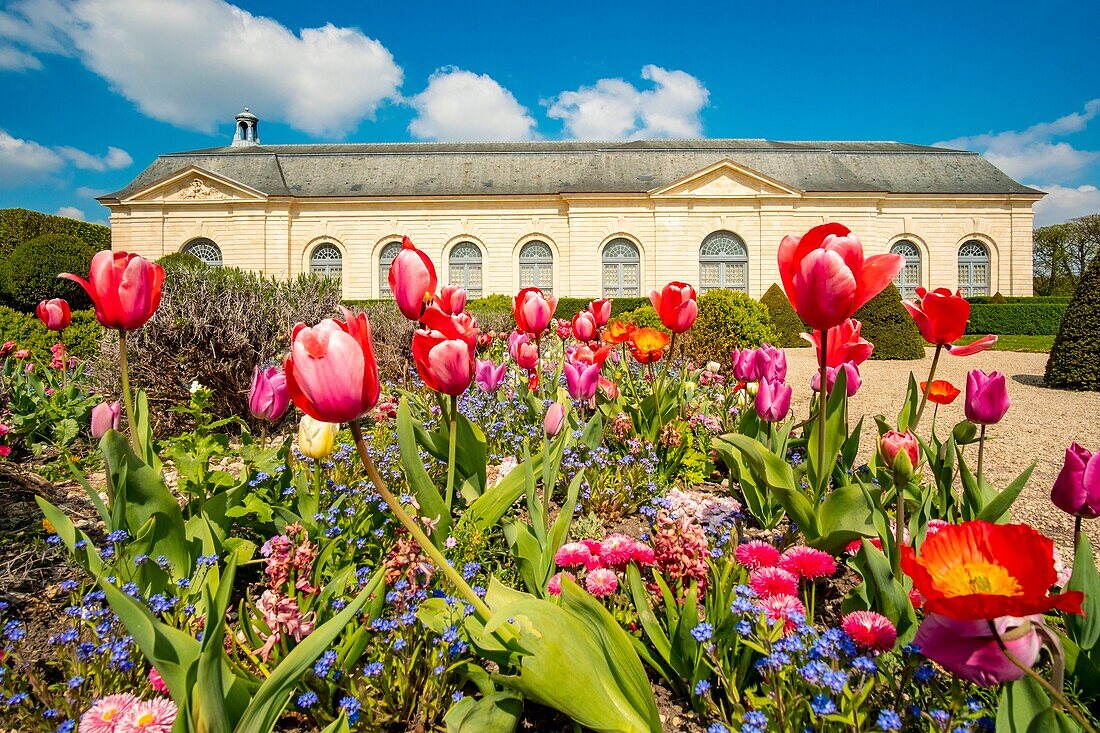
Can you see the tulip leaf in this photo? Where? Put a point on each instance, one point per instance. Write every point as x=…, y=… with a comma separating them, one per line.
x=834, y=437
x=428, y=497
x=775, y=473
x=845, y=515
x=497, y=712
x=996, y=509
x=1085, y=630
x=912, y=403
x=1021, y=706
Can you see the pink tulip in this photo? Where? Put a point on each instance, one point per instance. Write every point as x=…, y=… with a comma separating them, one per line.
x=893, y=443
x=451, y=299
x=524, y=350
x=766, y=362
x=125, y=288
x=581, y=379
x=584, y=326
x=851, y=371
x=601, y=311
x=1077, y=489
x=968, y=649
x=986, y=397
x=106, y=416
x=54, y=314
x=489, y=376
x=554, y=419
x=268, y=397
x=533, y=311
x=412, y=280
x=844, y=344
x=445, y=358
x=676, y=305
x=773, y=400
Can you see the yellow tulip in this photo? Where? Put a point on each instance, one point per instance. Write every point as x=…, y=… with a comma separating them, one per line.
x=315, y=438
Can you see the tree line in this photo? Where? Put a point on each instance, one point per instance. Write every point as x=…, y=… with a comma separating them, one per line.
x=1062, y=253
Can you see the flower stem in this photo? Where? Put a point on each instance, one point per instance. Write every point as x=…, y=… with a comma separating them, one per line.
x=899, y=529
x=1077, y=531
x=127, y=397
x=981, y=455
x=924, y=392
x=822, y=399
x=464, y=589
x=452, y=438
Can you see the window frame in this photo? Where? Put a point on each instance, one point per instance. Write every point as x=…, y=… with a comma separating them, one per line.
x=907, y=289
x=620, y=264
x=541, y=265
x=968, y=286
x=199, y=242
x=723, y=261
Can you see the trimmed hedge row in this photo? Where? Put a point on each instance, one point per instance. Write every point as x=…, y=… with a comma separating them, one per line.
x=973, y=300
x=81, y=337
x=1025, y=317
x=1074, y=361
x=493, y=305
x=19, y=225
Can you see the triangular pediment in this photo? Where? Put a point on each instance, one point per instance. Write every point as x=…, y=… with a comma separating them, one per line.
x=725, y=179
x=194, y=185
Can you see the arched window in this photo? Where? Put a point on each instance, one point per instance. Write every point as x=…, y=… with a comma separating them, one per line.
x=326, y=261
x=723, y=262
x=464, y=268
x=205, y=250
x=536, y=266
x=621, y=269
x=908, y=280
x=385, y=259
x=973, y=268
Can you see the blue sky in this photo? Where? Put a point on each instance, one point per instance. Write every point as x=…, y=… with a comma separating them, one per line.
x=93, y=90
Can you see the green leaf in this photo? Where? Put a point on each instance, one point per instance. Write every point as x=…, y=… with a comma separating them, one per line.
x=497, y=712
x=1022, y=703
x=773, y=472
x=996, y=509
x=885, y=593
x=912, y=402
x=845, y=515
x=427, y=494
x=1085, y=630
x=834, y=437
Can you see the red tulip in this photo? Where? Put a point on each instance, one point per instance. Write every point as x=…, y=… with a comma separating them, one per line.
x=54, y=313
x=676, y=305
x=125, y=288
x=844, y=344
x=584, y=326
x=533, y=310
x=451, y=299
x=985, y=342
x=940, y=316
x=826, y=276
x=331, y=371
x=445, y=361
x=412, y=280
x=523, y=350
x=601, y=310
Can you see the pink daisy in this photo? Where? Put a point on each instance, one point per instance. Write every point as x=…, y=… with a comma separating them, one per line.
x=149, y=716
x=934, y=525
x=756, y=554
x=869, y=630
x=593, y=546
x=553, y=587
x=643, y=554
x=808, y=563
x=105, y=714
x=617, y=550
x=767, y=582
x=781, y=607
x=601, y=582
x=157, y=682
x=573, y=554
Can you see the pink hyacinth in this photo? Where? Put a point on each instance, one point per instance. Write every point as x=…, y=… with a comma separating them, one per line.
x=575, y=554
x=807, y=563
x=105, y=715
x=680, y=553
x=553, y=587
x=782, y=607
x=157, y=682
x=149, y=716
x=768, y=582
x=756, y=554
x=601, y=582
x=870, y=631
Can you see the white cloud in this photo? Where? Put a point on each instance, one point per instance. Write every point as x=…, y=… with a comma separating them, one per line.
x=24, y=162
x=87, y=192
x=1034, y=153
x=12, y=59
x=1064, y=202
x=71, y=212
x=195, y=63
x=614, y=109
x=461, y=105
x=114, y=159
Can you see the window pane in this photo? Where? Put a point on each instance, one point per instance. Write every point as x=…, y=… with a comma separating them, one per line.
x=710, y=275
x=736, y=275
x=527, y=276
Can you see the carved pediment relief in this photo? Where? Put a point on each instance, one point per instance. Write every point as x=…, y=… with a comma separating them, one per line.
x=725, y=179
x=195, y=186
x=198, y=190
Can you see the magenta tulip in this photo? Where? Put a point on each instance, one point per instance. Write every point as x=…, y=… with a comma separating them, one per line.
x=533, y=311
x=773, y=400
x=766, y=362
x=106, y=416
x=584, y=326
x=488, y=375
x=581, y=379
x=524, y=350
x=268, y=397
x=451, y=299
x=986, y=397
x=853, y=380
x=412, y=280
x=968, y=649
x=601, y=311
x=554, y=419
x=1077, y=489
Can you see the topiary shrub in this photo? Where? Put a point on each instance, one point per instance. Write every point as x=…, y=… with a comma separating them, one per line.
x=1074, y=361
x=785, y=320
x=727, y=320
x=998, y=298
x=81, y=338
x=30, y=274
x=20, y=225
x=889, y=327
x=180, y=259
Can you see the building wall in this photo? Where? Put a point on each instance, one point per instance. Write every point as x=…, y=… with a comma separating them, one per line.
x=277, y=235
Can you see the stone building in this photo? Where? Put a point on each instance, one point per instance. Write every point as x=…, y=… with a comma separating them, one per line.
x=578, y=218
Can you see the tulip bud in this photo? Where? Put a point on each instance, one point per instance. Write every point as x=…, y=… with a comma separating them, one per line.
x=533, y=311
x=269, y=397
x=601, y=311
x=54, y=314
x=554, y=419
x=676, y=305
x=900, y=453
x=315, y=438
x=412, y=280
x=451, y=299
x=106, y=416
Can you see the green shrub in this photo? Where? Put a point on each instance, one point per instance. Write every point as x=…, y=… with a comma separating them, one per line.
x=180, y=259
x=569, y=307
x=728, y=320
x=81, y=338
x=889, y=327
x=785, y=320
x=1020, y=318
x=1074, y=361
x=998, y=298
x=20, y=225
x=1019, y=299
x=30, y=274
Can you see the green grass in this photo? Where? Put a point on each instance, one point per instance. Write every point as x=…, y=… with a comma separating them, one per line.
x=1033, y=344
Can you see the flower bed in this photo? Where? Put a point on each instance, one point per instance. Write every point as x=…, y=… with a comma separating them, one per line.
x=559, y=525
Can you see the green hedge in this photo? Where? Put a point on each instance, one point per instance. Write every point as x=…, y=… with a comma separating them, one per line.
x=728, y=320
x=1019, y=299
x=1026, y=317
x=29, y=275
x=789, y=327
x=502, y=305
x=81, y=337
x=19, y=225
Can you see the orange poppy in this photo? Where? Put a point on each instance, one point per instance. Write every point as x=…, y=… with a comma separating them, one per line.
x=978, y=570
x=940, y=391
x=617, y=332
x=648, y=344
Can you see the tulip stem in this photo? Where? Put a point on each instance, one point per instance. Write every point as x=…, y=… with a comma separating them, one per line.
x=127, y=398
x=981, y=455
x=899, y=528
x=822, y=399
x=429, y=548
x=452, y=439
x=1059, y=699
x=924, y=392
x=1077, y=531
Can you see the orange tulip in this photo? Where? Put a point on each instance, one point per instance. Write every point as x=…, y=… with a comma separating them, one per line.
x=648, y=344
x=940, y=391
x=618, y=332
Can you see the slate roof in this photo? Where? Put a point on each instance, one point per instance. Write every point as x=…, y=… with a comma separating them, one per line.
x=529, y=168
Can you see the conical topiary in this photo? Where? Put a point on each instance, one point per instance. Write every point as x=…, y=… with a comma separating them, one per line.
x=1074, y=361
x=784, y=318
x=888, y=326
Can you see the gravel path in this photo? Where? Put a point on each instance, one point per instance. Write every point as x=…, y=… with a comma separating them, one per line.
x=1038, y=427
